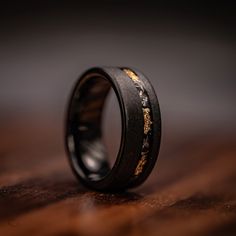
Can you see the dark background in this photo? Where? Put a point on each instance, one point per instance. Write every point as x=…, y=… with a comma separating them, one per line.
x=187, y=51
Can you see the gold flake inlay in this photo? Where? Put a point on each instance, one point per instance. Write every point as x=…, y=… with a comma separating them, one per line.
x=131, y=74
x=147, y=120
x=141, y=163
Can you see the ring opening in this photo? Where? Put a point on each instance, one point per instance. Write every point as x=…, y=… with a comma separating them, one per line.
x=87, y=119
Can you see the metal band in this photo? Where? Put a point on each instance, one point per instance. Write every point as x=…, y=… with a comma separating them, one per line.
x=141, y=128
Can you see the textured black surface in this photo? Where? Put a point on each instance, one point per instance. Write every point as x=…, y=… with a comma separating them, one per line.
x=83, y=129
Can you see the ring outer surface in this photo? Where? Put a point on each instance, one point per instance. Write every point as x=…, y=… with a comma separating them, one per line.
x=120, y=176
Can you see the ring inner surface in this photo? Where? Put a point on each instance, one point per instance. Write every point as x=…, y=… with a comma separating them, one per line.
x=90, y=156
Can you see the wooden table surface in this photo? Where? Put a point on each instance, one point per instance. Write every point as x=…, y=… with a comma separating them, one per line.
x=190, y=192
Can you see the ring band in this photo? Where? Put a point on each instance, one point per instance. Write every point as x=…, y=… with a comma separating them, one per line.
x=140, y=136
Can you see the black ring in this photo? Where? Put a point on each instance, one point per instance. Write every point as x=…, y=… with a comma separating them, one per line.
x=141, y=128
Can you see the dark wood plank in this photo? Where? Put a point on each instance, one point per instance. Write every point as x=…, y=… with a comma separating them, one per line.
x=191, y=191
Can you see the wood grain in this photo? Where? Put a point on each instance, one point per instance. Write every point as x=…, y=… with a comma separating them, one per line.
x=191, y=191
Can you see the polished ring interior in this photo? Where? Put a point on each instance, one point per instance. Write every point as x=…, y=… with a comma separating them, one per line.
x=141, y=128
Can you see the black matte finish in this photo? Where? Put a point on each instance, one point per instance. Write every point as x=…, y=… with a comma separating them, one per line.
x=86, y=152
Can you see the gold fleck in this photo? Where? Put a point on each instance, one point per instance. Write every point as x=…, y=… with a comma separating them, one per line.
x=131, y=74
x=147, y=120
x=140, y=165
